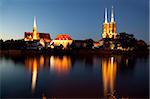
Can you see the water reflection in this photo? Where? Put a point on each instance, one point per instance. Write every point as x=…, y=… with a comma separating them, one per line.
x=40, y=61
x=34, y=74
x=33, y=64
x=109, y=69
x=118, y=73
x=60, y=65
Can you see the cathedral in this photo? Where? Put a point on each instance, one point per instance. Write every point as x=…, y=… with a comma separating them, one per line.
x=109, y=28
x=35, y=35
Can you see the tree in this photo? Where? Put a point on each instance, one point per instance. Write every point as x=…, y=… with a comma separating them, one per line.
x=89, y=44
x=126, y=40
x=141, y=46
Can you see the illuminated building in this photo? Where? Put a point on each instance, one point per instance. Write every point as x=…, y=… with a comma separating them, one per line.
x=34, y=35
x=105, y=33
x=62, y=39
x=112, y=26
x=109, y=29
x=28, y=36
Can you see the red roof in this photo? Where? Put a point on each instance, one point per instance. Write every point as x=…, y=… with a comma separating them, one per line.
x=63, y=37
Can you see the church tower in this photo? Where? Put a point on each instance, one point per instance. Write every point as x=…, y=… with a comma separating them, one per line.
x=105, y=33
x=34, y=29
x=112, y=26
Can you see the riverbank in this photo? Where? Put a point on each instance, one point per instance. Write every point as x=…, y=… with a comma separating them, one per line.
x=98, y=52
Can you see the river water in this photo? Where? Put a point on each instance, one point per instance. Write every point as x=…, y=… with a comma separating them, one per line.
x=75, y=76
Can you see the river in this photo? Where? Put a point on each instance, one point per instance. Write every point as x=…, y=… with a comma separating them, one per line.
x=76, y=76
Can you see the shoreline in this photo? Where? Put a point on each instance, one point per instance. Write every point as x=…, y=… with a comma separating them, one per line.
x=98, y=52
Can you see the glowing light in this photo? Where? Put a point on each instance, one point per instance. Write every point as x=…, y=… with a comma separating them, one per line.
x=126, y=62
x=109, y=29
x=60, y=65
x=34, y=74
x=34, y=29
x=108, y=75
x=41, y=61
x=63, y=42
x=42, y=42
x=62, y=39
x=44, y=97
x=52, y=47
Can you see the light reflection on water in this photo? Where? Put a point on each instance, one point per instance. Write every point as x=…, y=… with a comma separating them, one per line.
x=60, y=65
x=109, y=70
x=34, y=74
x=117, y=74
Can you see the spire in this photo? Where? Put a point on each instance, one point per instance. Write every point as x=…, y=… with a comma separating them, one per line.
x=34, y=26
x=112, y=14
x=34, y=29
x=106, y=15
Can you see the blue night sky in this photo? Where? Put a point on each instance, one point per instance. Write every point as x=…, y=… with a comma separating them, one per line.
x=81, y=19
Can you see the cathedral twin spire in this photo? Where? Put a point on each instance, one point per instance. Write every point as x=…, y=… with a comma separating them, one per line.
x=106, y=21
x=112, y=15
x=109, y=29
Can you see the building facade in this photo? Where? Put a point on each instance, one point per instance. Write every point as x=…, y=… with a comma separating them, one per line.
x=34, y=35
x=62, y=39
x=109, y=28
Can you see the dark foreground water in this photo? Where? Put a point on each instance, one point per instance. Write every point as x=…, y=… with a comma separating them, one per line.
x=74, y=76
